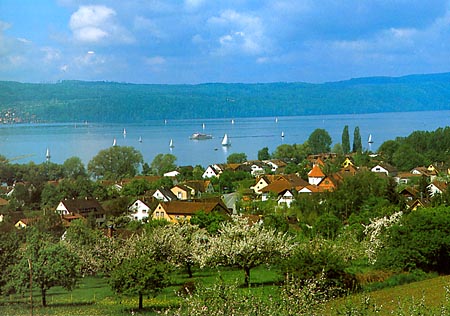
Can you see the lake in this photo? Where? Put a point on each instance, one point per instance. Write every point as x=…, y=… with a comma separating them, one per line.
x=22, y=143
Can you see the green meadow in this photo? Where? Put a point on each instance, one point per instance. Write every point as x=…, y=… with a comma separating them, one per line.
x=93, y=296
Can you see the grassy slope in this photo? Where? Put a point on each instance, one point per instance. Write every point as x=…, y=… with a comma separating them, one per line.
x=94, y=297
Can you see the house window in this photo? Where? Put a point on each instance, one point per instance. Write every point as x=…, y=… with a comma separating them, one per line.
x=144, y=211
x=156, y=214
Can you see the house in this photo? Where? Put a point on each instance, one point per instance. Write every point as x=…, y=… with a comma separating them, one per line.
x=199, y=187
x=437, y=187
x=25, y=222
x=176, y=211
x=164, y=194
x=286, y=198
x=430, y=172
x=211, y=172
x=347, y=162
x=84, y=207
x=409, y=193
x=275, y=165
x=329, y=183
x=385, y=168
x=262, y=182
x=183, y=192
x=315, y=175
x=172, y=174
x=406, y=177
x=139, y=210
x=68, y=219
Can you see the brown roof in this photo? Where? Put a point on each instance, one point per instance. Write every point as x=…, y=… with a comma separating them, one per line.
x=189, y=208
x=82, y=206
x=316, y=172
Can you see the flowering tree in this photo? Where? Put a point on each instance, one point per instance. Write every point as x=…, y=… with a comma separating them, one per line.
x=176, y=243
x=374, y=233
x=245, y=245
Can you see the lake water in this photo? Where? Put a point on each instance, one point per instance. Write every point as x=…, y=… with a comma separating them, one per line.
x=29, y=142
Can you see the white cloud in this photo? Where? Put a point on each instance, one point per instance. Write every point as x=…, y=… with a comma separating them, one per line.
x=96, y=23
x=244, y=33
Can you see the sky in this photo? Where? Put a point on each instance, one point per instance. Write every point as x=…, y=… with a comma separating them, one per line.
x=201, y=41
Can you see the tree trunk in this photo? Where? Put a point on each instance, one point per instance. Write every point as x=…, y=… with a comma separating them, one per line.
x=140, y=301
x=44, y=299
x=247, y=276
x=189, y=270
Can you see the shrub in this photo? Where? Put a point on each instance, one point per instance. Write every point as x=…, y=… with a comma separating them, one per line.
x=311, y=260
x=421, y=240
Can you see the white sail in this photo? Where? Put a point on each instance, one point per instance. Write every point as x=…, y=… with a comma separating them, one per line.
x=226, y=141
x=232, y=121
x=140, y=139
x=114, y=142
x=171, y=143
x=124, y=131
x=203, y=125
x=47, y=154
x=370, y=140
x=282, y=134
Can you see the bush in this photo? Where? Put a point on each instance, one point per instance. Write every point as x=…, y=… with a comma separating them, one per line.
x=320, y=258
x=421, y=240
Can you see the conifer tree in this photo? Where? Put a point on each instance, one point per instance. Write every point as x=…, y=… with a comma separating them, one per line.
x=345, y=140
x=357, y=144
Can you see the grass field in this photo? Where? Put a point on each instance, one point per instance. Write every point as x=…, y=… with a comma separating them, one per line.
x=94, y=297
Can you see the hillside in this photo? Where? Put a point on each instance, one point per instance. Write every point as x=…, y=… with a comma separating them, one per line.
x=71, y=101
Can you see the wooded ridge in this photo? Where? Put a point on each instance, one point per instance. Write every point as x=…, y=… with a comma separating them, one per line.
x=112, y=102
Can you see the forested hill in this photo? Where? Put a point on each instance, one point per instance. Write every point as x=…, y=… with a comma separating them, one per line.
x=72, y=101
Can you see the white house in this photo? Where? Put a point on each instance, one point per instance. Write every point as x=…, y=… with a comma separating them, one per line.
x=165, y=195
x=82, y=207
x=384, y=168
x=315, y=176
x=210, y=172
x=139, y=210
x=286, y=198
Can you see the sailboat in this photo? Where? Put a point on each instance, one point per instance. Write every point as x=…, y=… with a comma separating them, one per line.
x=225, y=141
x=47, y=155
x=114, y=142
x=171, y=143
x=203, y=126
x=370, y=140
x=232, y=121
x=282, y=134
x=124, y=132
x=140, y=139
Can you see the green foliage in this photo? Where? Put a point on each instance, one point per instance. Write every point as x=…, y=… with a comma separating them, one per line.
x=237, y=158
x=319, y=141
x=140, y=276
x=318, y=258
x=292, y=153
x=73, y=168
x=328, y=225
x=345, y=140
x=115, y=163
x=420, y=241
x=136, y=187
x=263, y=153
x=51, y=264
x=357, y=144
x=163, y=163
x=210, y=221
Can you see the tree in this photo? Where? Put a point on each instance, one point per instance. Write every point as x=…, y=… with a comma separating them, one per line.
x=237, y=158
x=115, y=163
x=246, y=246
x=163, y=163
x=73, y=168
x=139, y=272
x=319, y=141
x=263, y=154
x=345, y=140
x=49, y=264
x=418, y=241
x=357, y=144
x=210, y=221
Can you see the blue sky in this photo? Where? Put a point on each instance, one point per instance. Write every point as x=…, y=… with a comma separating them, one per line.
x=198, y=41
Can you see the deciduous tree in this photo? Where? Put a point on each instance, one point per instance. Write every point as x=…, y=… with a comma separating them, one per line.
x=319, y=141
x=245, y=245
x=115, y=163
x=163, y=163
x=51, y=264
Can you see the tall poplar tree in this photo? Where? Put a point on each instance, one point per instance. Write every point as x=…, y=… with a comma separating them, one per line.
x=345, y=140
x=357, y=144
